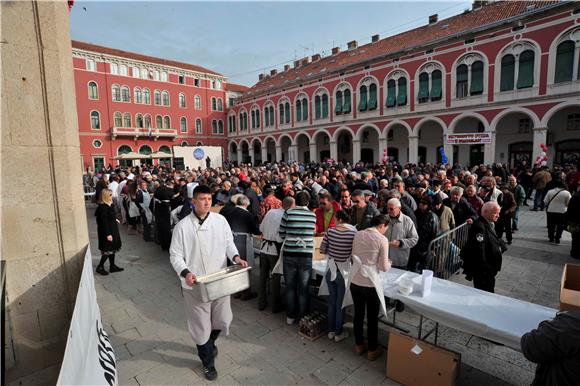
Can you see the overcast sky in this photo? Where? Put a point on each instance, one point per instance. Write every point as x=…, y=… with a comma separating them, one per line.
x=240, y=39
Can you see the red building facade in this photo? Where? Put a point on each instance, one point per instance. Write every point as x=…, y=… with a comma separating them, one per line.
x=510, y=70
x=128, y=102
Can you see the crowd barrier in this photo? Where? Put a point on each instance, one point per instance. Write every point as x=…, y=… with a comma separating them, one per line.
x=445, y=251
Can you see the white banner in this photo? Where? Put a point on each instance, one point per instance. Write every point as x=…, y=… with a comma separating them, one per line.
x=89, y=358
x=469, y=138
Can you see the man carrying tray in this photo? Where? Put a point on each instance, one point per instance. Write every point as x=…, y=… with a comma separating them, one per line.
x=199, y=246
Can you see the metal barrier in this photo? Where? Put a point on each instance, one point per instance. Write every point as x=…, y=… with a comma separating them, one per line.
x=89, y=192
x=445, y=250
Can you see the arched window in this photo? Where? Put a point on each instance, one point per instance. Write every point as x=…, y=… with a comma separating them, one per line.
x=165, y=97
x=118, y=118
x=123, y=70
x=166, y=122
x=338, y=103
x=146, y=96
x=258, y=118
x=182, y=100
x=346, y=101
x=95, y=120
x=148, y=121
x=183, y=125
x=526, y=70
x=125, y=94
x=476, y=86
x=402, y=94
x=138, y=95
x=124, y=149
x=372, y=103
x=139, y=121
x=220, y=104
x=430, y=83
x=363, y=98
x=214, y=127
x=298, y=110
x=213, y=104
x=156, y=75
x=461, y=81
x=136, y=72
x=565, y=62
x=159, y=122
x=198, y=128
x=517, y=67
x=127, y=120
x=165, y=149
x=508, y=65
x=253, y=119
x=157, y=97
x=116, y=92
x=93, y=91
x=220, y=127
x=391, y=93
x=145, y=150
x=164, y=76
x=304, y=109
x=197, y=102
x=184, y=143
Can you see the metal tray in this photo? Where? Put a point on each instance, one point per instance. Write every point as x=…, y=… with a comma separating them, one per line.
x=221, y=283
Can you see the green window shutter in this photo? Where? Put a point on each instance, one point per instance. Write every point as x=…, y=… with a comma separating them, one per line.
x=564, y=62
x=402, y=97
x=423, y=87
x=281, y=113
x=526, y=70
x=272, y=116
x=362, y=103
x=317, y=107
x=298, y=110
x=346, y=105
x=391, y=92
x=507, y=73
x=436, y=90
x=372, y=96
x=253, y=115
x=287, y=112
x=257, y=118
x=304, y=110
x=325, y=106
x=476, y=78
x=338, y=103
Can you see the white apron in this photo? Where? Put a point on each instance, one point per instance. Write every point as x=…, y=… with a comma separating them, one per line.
x=145, y=206
x=334, y=266
x=371, y=272
x=279, y=267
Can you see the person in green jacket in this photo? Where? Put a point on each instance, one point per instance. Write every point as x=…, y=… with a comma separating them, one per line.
x=520, y=196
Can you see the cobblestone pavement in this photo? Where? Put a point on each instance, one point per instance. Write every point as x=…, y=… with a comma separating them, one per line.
x=142, y=311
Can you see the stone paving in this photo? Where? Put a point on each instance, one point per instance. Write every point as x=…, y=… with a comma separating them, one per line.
x=142, y=310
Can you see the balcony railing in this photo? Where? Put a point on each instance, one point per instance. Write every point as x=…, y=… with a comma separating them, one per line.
x=137, y=132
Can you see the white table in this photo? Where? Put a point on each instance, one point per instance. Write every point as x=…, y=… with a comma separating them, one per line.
x=491, y=316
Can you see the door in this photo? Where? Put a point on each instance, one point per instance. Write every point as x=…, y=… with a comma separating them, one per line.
x=367, y=156
x=475, y=155
x=422, y=155
x=98, y=164
x=393, y=154
x=519, y=152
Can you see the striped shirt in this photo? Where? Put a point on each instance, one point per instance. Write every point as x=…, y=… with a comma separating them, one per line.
x=297, y=230
x=337, y=243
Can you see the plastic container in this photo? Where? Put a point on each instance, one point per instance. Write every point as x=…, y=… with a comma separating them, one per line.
x=406, y=287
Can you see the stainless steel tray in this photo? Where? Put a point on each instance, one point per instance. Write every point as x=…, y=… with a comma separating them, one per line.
x=221, y=283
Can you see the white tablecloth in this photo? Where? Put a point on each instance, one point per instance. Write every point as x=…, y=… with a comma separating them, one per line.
x=491, y=316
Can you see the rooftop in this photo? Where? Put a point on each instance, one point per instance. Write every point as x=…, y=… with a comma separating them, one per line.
x=316, y=67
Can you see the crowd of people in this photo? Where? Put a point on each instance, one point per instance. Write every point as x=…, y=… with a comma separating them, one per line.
x=370, y=218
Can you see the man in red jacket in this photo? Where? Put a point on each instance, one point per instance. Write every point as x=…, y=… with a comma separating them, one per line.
x=325, y=212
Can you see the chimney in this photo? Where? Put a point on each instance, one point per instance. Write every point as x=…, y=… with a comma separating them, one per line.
x=315, y=57
x=304, y=61
x=297, y=63
x=286, y=67
x=433, y=19
x=479, y=4
x=375, y=38
x=260, y=77
x=335, y=50
x=352, y=45
x=273, y=72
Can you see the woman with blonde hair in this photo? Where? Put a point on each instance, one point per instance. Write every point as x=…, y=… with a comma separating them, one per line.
x=108, y=232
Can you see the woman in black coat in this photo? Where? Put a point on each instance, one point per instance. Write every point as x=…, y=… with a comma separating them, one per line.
x=108, y=232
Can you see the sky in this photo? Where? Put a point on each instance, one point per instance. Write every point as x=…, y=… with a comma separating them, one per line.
x=242, y=39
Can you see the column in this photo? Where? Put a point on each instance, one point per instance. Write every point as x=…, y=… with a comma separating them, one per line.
x=355, y=150
x=540, y=137
x=448, y=150
x=45, y=236
x=382, y=147
x=413, y=149
x=292, y=153
x=252, y=155
x=313, y=152
x=240, y=160
x=489, y=150
x=278, y=153
x=333, y=151
x=264, y=154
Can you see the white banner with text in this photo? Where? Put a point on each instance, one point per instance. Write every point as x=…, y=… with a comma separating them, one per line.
x=469, y=138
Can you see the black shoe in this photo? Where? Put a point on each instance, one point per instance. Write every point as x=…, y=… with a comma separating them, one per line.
x=399, y=306
x=509, y=243
x=210, y=373
x=557, y=241
x=114, y=268
x=100, y=269
x=215, y=351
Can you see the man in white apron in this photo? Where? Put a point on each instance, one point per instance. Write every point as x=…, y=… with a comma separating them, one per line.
x=200, y=245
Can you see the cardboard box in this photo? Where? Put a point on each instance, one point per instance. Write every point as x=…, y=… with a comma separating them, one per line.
x=570, y=288
x=317, y=255
x=413, y=362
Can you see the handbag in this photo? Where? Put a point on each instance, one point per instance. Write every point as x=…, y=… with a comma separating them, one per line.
x=573, y=227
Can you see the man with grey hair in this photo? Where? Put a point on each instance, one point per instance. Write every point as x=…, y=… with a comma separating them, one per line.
x=482, y=254
x=401, y=233
x=463, y=212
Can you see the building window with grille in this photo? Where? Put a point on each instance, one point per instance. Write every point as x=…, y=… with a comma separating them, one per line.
x=214, y=127
x=91, y=65
x=182, y=100
x=573, y=122
x=144, y=73
x=125, y=94
x=220, y=104
x=166, y=122
x=95, y=120
x=146, y=96
x=183, y=125
x=156, y=75
x=114, y=68
x=231, y=102
x=220, y=127
x=157, y=97
x=93, y=91
x=147, y=121
x=213, y=104
x=198, y=128
x=165, y=97
x=525, y=125
x=139, y=121
x=118, y=119
x=116, y=93
x=197, y=102
x=164, y=76
x=138, y=95
x=127, y=120
x=136, y=72
x=159, y=122
x=123, y=70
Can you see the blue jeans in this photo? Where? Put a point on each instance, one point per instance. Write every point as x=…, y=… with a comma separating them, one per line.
x=336, y=290
x=297, y=272
x=516, y=218
x=539, y=199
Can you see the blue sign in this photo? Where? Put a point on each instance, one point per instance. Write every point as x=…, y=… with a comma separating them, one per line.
x=444, y=158
x=198, y=153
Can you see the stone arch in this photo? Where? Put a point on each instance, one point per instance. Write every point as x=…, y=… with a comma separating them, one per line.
x=523, y=110
x=390, y=125
x=457, y=119
x=338, y=131
x=551, y=112
x=415, y=131
x=365, y=126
